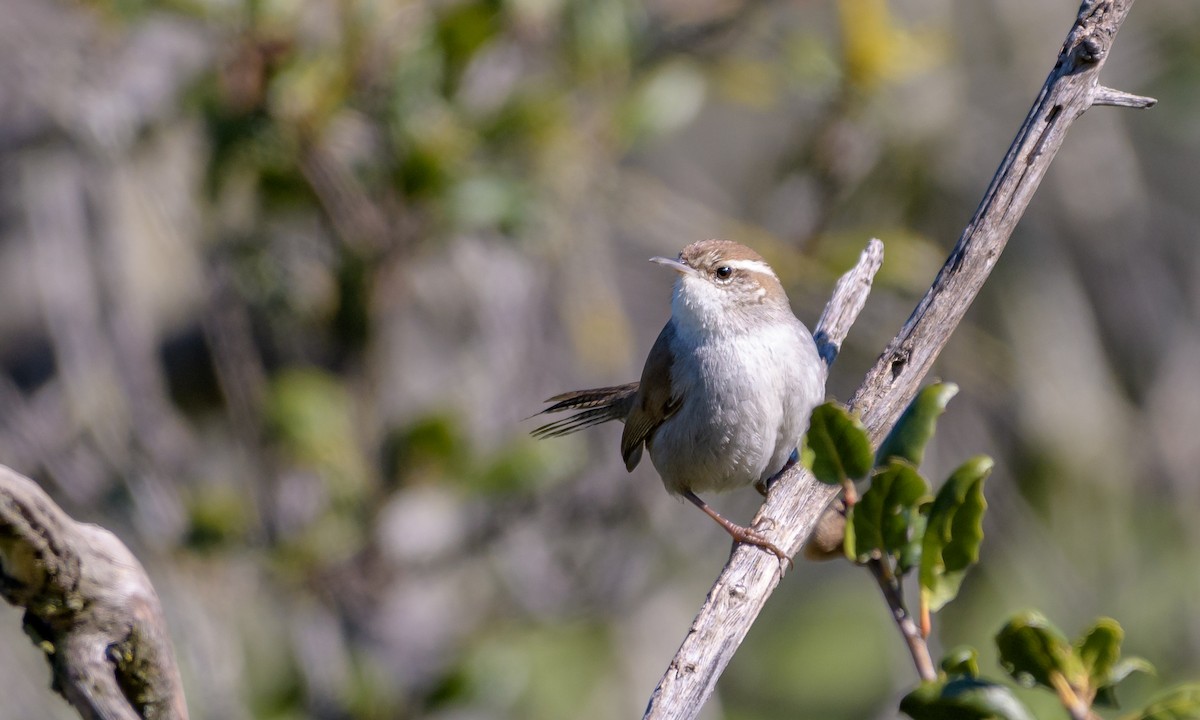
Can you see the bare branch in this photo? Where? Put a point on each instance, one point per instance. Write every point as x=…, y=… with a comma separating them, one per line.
x=797, y=500
x=89, y=606
x=849, y=295
x=1120, y=98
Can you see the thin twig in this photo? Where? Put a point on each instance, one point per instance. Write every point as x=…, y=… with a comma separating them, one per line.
x=1076, y=707
x=917, y=647
x=1120, y=98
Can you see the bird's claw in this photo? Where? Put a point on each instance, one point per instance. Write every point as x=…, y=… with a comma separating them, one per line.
x=748, y=536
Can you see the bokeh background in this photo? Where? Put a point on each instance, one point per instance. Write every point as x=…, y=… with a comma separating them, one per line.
x=280, y=283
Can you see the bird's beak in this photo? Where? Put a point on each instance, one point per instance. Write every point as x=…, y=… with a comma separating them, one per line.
x=675, y=265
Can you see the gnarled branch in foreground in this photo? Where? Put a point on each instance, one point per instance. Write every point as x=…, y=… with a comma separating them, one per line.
x=797, y=500
x=90, y=606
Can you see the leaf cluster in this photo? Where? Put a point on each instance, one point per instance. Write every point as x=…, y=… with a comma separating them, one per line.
x=899, y=521
x=900, y=527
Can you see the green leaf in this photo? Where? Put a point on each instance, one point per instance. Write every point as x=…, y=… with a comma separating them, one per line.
x=1127, y=666
x=1032, y=650
x=909, y=556
x=962, y=660
x=881, y=517
x=1099, y=649
x=915, y=427
x=1106, y=695
x=841, y=448
x=1180, y=703
x=963, y=699
x=954, y=533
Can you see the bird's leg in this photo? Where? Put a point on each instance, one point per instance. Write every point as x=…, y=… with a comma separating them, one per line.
x=741, y=534
x=763, y=486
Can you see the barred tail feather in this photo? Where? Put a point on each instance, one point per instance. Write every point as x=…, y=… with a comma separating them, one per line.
x=576, y=422
x=586, y=399
x=598, y=405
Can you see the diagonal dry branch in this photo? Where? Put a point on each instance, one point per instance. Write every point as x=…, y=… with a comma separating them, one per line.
x=89, y=606
x=798, y=500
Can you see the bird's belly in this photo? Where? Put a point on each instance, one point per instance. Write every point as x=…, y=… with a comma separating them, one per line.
x=746, y=403
x=724, y=444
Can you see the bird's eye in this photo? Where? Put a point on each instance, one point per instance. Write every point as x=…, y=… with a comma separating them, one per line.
x=724, y=272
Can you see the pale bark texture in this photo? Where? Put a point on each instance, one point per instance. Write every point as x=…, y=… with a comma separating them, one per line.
x=89, y=606
x=797, y=501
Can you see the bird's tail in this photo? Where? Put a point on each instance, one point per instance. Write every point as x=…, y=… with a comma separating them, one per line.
x=596, y=406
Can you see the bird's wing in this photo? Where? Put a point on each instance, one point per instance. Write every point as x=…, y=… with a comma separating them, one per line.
x=654, y=402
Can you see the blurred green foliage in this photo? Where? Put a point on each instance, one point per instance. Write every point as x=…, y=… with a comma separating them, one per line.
x=311, y=419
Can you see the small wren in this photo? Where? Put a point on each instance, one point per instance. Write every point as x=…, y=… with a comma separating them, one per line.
x=727, y=389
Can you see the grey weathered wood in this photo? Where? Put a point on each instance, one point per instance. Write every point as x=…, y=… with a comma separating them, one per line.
x=797, y=501
x=89, y=606
x=849, y=295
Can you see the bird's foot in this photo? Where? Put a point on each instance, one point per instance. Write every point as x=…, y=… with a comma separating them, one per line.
x=749, y=536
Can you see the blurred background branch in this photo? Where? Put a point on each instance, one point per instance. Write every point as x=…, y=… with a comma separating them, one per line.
x=89, y=607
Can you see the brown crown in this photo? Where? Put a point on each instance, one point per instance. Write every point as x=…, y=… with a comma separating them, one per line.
x=703, y=254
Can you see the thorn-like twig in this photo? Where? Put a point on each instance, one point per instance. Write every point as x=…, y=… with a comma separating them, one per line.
x=1120, y=98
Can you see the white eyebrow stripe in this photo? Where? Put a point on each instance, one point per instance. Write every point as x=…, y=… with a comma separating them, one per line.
x=757, y=266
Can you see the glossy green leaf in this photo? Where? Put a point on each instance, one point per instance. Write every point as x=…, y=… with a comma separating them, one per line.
x=962, y=660
x=916, y=426
x=1180, y=703
x=953, y=533
x=1126, y=666
x=840, y=446
x=963, y=699
x=1106, y=695
x=1032, y=650
x=881, y=518
x=1099, y=649
x=909, y=556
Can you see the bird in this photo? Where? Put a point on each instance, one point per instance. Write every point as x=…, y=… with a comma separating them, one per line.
x=727, y=388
